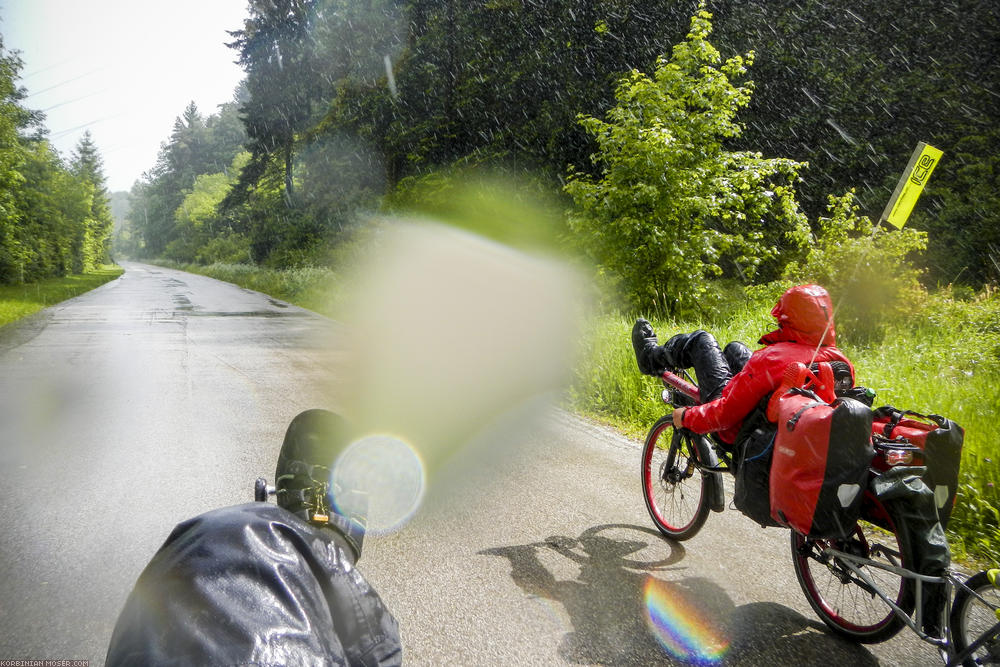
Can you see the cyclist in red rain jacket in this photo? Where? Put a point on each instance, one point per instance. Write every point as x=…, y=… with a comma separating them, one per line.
x=733, y=381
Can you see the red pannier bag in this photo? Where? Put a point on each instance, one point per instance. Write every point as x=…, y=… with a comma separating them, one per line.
x=822, y=454
x=940, y=439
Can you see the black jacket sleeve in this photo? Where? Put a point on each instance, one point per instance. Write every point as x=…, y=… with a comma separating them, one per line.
x=253, y=584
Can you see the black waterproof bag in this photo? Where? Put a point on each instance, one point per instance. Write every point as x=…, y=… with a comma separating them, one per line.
x=754, y=449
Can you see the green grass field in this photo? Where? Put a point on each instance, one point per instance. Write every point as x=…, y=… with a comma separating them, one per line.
x=18, y=301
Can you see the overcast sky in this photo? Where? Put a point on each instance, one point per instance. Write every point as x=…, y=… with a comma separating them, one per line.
x=124, y=69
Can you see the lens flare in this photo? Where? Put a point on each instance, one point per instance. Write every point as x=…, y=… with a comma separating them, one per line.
x=378, y=480
x=446, y=332
x=680, y=626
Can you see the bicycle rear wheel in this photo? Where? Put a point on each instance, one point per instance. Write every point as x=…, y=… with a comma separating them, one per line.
x=843, y=600
x=972, y=616
x=676, y=492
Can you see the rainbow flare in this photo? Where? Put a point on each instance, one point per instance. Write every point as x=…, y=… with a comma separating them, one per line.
x=680, y=627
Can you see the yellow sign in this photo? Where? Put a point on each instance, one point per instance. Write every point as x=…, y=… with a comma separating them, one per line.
x=908, y=190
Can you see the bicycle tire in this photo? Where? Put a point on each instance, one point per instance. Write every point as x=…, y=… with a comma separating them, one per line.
x=843, y=601
x=677, y=499
x=971, y=617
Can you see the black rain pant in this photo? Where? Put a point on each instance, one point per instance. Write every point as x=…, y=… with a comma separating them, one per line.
x=699, y=350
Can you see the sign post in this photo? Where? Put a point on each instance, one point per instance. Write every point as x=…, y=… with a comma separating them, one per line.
x=911, y=184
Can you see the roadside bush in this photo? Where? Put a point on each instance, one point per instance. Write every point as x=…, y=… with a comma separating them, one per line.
x=867, y=271
x=671, y=209
x=230, y=248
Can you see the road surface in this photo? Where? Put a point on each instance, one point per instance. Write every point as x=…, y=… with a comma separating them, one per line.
x=164, y=394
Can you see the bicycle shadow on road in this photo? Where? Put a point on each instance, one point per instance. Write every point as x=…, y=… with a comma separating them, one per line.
x=626, y=605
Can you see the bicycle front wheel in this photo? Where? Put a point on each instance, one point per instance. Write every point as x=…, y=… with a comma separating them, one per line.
x=842, y=599
x=973, y=615
x=676, y=492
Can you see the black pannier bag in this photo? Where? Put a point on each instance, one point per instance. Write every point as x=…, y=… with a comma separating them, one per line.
x=940, y=439
x=754, y=448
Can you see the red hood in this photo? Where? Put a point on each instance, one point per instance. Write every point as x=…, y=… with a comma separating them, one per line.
x=805, y=315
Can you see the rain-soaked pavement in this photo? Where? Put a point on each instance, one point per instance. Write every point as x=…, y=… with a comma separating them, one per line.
x=163, y=394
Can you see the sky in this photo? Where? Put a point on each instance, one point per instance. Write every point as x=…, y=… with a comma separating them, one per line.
x=123, y=69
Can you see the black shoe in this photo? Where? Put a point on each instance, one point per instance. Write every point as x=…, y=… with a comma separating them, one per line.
x=313, y=441
x=643, y=340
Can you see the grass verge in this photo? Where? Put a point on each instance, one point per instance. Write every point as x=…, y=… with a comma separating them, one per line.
x=309, y=287
x=19, y=301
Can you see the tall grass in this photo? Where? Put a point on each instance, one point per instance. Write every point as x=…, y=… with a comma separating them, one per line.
x=314, y=288
x=18, y=301
x=945, y=361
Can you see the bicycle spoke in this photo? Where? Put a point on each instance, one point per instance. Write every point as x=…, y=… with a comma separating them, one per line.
x=975, y=621
x=674, y=489
x=846, y=599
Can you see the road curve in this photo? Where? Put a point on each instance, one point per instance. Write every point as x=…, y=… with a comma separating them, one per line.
x=164, y=394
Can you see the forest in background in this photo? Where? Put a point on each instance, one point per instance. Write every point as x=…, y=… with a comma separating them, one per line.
x=55, y=215
x=351, y=109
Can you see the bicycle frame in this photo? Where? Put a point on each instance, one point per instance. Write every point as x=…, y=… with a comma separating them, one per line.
x=680, y=384
x=676, y=383
x=951, y=580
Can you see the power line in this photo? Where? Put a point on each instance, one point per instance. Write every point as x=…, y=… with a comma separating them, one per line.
x=62, y=83
x=56, y=106
x=63, y=133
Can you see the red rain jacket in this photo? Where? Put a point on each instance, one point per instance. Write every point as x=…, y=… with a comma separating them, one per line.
x=805, y=317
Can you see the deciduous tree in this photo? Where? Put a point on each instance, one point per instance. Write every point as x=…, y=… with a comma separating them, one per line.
x=672, y=206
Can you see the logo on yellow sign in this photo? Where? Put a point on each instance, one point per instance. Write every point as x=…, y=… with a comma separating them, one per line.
x=908, y=190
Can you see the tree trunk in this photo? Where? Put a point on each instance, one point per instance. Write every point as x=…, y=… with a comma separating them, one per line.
x=288, y=174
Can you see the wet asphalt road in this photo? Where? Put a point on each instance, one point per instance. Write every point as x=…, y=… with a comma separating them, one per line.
x=163, y=394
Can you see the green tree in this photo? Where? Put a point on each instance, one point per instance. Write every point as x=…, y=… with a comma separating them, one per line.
x=196, y=146
x=201, y=233
x=672, y=207
x=13, y=118
x=93, y=241
x=277, y=49
x=501, y=82
x=852, y=89
x=56, y=207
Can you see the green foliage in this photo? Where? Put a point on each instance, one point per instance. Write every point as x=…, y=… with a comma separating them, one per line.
x=92, y=245
x=852, y=89
x=976, y=519
x=278, y=52
x=231, y=248
x=867, y=271
x=197, y=222
x=672, y=206
x=964, y=228
x=503, y=81
x=13, y=117
x=54, y=218
x=512, y=209
x=197, y=147
x=345, y=100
